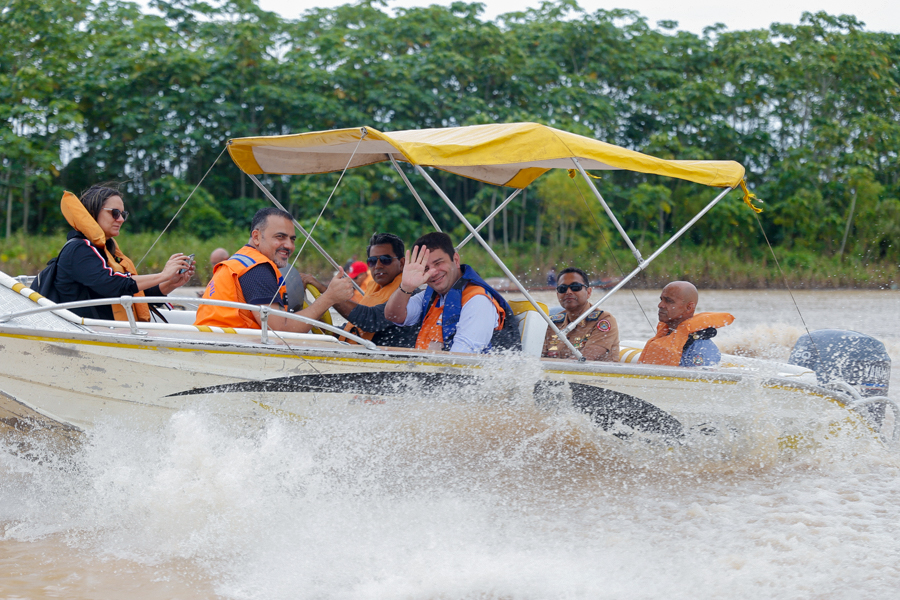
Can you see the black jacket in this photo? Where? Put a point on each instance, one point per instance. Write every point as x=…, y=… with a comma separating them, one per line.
x=385, y=333
x=83, y=274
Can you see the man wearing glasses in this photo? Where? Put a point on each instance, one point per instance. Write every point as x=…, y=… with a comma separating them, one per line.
x=596, y=337
x=365, y=316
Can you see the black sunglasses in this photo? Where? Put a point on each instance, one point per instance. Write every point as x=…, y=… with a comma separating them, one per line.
x=575, y=287
x=116, y=213
x=384, y=259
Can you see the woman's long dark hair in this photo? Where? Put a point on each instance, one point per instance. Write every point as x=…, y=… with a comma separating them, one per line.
x=93, y=200
x=96, y=196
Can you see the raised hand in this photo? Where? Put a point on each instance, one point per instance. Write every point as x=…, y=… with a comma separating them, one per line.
x=415, y=272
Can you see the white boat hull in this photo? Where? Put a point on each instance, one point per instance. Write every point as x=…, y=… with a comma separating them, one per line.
x=59, y=374
x=76, y=380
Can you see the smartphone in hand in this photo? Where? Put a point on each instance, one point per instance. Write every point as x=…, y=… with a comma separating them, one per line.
x=191, y=258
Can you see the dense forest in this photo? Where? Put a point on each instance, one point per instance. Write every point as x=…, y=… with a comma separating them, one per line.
x=98, y=90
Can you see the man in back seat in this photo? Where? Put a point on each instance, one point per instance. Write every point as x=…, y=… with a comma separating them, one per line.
x=683, y=338
x=596, y=337
x=365, y=317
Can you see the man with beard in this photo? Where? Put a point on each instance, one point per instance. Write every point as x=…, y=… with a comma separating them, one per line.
x=253, y=276
x=596, y=337
x=366, y=316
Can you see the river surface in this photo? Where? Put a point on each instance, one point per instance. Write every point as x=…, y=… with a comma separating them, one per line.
x=455, y=504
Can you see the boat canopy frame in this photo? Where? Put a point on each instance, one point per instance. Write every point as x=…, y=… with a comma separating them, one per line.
x=512, y=155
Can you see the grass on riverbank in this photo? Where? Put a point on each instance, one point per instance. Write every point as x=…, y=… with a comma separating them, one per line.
x=707, y=267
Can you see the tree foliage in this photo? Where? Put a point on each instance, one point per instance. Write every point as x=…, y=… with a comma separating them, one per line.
x=95, y=90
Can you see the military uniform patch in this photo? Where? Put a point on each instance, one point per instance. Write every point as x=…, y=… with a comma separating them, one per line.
x=698, y=360
x=558, y=318
x=603, y=325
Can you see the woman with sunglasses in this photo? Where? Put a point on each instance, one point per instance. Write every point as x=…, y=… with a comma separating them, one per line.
x=92, y=266
x=596, y=337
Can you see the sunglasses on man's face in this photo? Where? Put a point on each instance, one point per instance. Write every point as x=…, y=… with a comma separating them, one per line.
x=116, y=213
x=383, y=259
x=575, y=287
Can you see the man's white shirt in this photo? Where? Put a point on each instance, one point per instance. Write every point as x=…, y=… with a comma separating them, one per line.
x=477, y=321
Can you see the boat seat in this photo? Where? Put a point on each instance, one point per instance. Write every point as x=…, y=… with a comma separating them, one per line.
x=532, y=328
x=182, y=317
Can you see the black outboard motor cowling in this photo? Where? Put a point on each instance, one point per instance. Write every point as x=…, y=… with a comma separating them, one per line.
x=855, y=358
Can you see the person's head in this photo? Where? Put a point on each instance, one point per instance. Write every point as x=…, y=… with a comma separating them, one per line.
x=105, y=205
x=575, y=290
x=218, y=255
x=677, y=303
x=386, y=257
x=443, y=261
x=272, y=233
x=358, y=272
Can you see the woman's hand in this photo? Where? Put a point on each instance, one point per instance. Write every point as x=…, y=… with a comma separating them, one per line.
x=415, y=272
x=174, y=279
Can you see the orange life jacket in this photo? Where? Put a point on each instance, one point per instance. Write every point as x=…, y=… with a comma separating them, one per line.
x=81, y=220
x=432, y=330
x=364, y=286
x=224, y=285
x=665, y=348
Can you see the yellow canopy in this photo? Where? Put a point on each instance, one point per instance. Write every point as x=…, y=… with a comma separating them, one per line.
x=510, y=154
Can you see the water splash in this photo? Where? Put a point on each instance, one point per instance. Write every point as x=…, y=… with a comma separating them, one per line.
x=477, y=495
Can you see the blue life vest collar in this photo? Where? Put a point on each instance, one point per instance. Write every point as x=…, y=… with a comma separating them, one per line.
x=453, y=303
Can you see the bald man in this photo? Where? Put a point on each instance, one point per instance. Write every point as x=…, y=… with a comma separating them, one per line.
x=682, y=337
x=218, y=255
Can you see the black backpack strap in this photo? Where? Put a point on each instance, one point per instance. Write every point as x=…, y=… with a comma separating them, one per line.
x=45, y=281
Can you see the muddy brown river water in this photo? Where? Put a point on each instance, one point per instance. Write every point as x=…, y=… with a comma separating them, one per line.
x=454, y=503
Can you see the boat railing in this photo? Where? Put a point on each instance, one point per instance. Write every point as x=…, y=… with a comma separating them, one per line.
x=127, y=302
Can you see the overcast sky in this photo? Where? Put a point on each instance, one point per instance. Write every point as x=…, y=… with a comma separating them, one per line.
x=692, y=15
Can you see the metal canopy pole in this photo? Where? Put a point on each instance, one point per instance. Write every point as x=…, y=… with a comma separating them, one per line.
x=499, y=262
x=414, y=193
x=645, y=263
x=635, y=251
x=315, y=244
x=489, y=218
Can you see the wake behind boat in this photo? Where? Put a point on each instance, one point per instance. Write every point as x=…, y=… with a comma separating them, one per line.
x=65, y=372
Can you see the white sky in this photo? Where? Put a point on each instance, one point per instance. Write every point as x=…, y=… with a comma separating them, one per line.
x=692, y=15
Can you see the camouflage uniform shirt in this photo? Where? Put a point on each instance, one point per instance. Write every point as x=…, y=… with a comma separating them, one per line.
x=596, y=337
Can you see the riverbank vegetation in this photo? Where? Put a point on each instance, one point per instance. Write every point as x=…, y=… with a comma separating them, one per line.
x=99, y=90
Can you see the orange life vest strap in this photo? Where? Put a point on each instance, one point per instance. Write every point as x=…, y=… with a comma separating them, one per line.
x=665, y=348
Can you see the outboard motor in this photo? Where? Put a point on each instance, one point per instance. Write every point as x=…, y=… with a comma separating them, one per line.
x=849, y=356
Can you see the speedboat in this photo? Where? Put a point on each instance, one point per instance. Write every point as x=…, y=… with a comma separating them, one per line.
x=64, y=373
